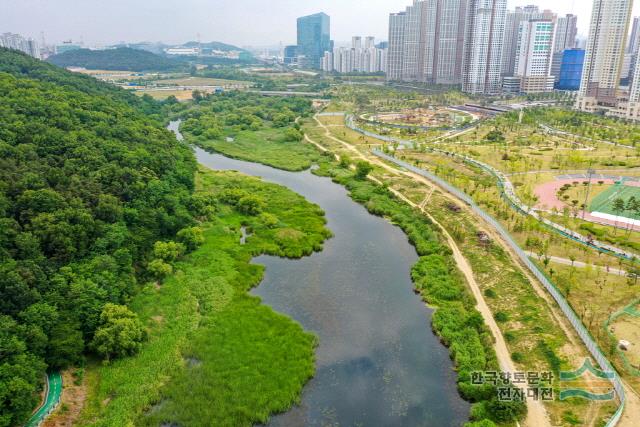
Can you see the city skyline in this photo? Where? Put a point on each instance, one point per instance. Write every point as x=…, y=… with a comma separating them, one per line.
x=174, y=21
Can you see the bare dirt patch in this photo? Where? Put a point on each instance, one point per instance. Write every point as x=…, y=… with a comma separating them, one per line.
x=74, y=393
x=628, y=328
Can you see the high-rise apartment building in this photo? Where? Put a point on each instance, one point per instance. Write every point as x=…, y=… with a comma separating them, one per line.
x=369, y=42
x=369, y=59
x=426, y=42
x=534, y=54
x=413, y=43
x=395, y=57
x=483, y=42
x=444, y=41
x=17, y=42
x=566, y=33
x=512, y=30
x=604, y=54
x=634, y=38
x=314, y=39
x=356, y=42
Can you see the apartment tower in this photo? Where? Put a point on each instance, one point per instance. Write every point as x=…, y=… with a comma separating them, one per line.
x=604, y=54
x=483, y=42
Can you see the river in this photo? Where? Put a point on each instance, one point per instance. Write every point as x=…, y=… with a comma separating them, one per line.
x=378, y=361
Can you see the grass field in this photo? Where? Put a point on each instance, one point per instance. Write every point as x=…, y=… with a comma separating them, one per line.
x=201, y=81
x=267, y=146
x=204, y=327
x=628, y=328
x=604, y=202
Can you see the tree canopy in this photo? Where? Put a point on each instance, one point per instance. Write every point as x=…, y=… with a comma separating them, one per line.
x=88, y=184
x=122, y=58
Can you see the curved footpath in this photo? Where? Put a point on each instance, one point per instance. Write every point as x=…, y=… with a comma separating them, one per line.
x=582, y=332
x=550, y=129
x=53, y=392
x=508, y=191
x=536, y=413
x=625, y=414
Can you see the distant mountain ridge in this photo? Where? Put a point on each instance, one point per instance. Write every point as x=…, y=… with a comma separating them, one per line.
x=123, y=58
x=215, y=46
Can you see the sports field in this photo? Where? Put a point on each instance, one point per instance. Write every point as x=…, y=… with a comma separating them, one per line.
x=604, y=201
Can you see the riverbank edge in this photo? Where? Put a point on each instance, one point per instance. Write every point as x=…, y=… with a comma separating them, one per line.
x=456, y=321
x=173, y=360
x=442, y=287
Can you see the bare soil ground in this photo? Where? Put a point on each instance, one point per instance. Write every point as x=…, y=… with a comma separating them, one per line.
x=72, y=402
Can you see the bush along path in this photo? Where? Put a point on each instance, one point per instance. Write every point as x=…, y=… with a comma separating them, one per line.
x=442, y=286
x=508, y=192
x=582, y=332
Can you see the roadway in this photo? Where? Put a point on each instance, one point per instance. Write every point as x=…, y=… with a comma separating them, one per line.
x=508, y=192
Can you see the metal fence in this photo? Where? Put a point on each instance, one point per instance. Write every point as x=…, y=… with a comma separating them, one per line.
x=585, y=336
x=509, y=193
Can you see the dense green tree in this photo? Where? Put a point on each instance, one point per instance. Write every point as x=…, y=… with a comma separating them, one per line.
x=119, y=334
x=20, y=375
x=168, y=251
x=89, y=181
x=362, y=170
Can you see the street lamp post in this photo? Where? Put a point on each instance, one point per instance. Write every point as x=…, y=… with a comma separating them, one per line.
x=590, y=173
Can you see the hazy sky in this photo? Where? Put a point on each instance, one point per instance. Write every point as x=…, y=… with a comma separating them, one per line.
x=240, y=22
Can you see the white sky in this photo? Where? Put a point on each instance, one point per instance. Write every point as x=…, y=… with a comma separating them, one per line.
x=240, y=22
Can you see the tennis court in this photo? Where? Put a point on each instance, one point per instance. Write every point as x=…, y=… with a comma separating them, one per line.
x=604, y=201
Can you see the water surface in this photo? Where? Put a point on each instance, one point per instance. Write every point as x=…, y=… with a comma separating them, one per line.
x=378, y=362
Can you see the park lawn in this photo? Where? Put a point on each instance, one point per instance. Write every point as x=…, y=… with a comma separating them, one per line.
x=594, y=296
x=268, y=146
x=216, y=355
x=201, y=81
x=160, y=95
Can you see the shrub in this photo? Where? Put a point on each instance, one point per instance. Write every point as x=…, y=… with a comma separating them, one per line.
x=501, y=317
x=490, y=293
x=362, y=170
x=505, y=411
x=159, y=269
x=191, y=237
x=293, y=135
x=250, y=205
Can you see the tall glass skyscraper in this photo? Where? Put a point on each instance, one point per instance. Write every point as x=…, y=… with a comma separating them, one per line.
x=314, y=39
x=571, y=69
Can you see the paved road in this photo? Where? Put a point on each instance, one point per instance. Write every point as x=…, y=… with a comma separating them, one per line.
x=52, y=396
x=508, y=190
x=549, y=129
x=578, y=264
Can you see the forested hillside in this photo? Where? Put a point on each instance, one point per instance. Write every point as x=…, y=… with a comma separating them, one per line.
x=123, y=58
x=88, y=183
x=19, y=65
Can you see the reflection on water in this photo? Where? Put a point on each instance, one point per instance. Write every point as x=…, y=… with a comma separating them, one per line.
x=378, y=362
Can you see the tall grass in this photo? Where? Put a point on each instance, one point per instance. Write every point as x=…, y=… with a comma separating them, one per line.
x=268, y=146
x=216, y=355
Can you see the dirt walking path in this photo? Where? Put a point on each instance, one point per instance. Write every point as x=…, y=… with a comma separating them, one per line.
x=536, y=415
